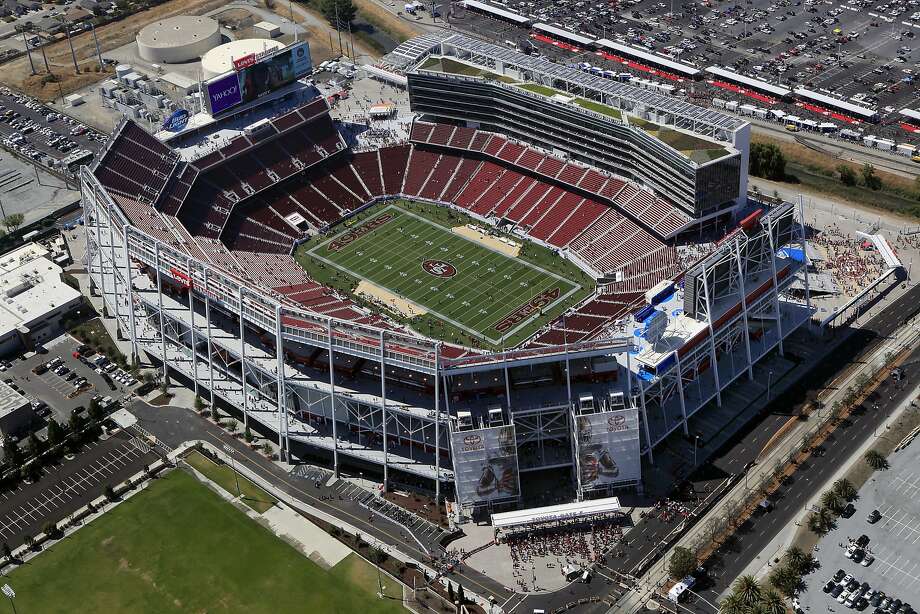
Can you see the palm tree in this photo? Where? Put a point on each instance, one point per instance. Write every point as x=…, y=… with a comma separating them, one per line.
x=748, y=589
x=876, y=460
x=732, y=605
x=821, y=521
x=845, y=489
x=832, y=500
x=772, y=603
x=798, y=560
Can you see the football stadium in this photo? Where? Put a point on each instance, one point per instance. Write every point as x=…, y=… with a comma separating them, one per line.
x=540, y=283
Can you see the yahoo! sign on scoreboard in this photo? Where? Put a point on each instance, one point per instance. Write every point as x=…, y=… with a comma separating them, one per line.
x=256, y=75
x=223, y=93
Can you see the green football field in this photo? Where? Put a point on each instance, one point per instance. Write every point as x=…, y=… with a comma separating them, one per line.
x=486, y=293
x=177, y=547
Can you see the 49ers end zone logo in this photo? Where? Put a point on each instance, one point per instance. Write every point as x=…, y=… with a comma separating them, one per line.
x=439, y=268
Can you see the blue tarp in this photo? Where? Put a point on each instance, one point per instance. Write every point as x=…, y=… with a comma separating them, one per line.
x=795, y=254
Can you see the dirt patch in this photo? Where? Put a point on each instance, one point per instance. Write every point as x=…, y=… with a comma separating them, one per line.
x=111, y=36
x=488, y=240
x=382, y=296
x=379, y=17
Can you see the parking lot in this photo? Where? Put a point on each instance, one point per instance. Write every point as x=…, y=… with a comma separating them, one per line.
x=893, y=540
x=40, y=134
x=859, y=49
x=56, y=391
x=70, y=485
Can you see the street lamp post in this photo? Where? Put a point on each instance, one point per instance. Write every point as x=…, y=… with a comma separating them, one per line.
x=236, y=477
x=10, y=593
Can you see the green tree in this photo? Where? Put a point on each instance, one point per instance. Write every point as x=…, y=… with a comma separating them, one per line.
x=748, y=589
x=55, y=432
x=869, y=178
x=785, y=580
x=247, y=435
x=771, y=603
x=36, y=445
x=13, y=221
x=767, y=160
x=6, y=552
x=460, y=596
x=199, y=404
x=847, y=174
x=682, y=563
x=821, y=521
x=76, y=422
x=450, y=593
x=845, y=489
x=876, y=460
x=339, y=13
x=798, y=560
x=11, y=452
x=109, y=493
x=832, y=500
x=733, y=604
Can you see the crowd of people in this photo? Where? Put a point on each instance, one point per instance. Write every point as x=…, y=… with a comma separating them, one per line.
x=568, y=545
x=852, y=262
x=668, y=510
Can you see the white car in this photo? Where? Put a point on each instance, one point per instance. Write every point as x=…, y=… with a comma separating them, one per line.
x=867, y=560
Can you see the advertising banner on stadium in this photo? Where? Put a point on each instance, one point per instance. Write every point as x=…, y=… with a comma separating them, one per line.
x=608, y=448
x=223, y=93
x=485, y=464
x=256, y=76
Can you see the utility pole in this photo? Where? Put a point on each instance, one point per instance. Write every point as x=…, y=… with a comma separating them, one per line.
x=28, y=49
x=236, y=477
x=45, y=58
x=73, y=54
x=338, y=25
x=96, y=41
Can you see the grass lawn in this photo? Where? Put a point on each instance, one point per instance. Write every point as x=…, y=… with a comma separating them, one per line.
x=461, y=283
x=356, y=571
x=252, y=495
x=178, y=548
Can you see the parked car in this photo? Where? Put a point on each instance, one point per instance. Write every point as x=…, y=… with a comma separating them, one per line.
x=873, y=517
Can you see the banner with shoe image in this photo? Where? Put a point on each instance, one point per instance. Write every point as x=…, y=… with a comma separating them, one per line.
x=608, y=448
x=486, y=464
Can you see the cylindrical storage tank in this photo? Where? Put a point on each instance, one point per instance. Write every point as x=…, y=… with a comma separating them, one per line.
x=178, y=39
x=219, y=60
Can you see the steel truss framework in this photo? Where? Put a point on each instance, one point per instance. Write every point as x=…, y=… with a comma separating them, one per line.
x=239, y=345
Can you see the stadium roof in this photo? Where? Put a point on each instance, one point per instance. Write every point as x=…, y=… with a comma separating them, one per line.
x=759, y=84
x=836, y=103
x=550, y=70
x=910, y=113
x=412, y=51
x=564, y=34
x=566, y=511
x=654, y=58
x=497, y=11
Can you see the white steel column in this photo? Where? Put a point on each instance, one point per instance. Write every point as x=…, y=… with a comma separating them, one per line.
x=114, y=269
x=207, y=317
x=130, y=288
x=281, y=396
x=243, y=360
x=161, y=314
x=191, y=315
x=99, y=251
x=804, y=255
x=712, y=342
x=779, y=319
x=383, y=405
x=680, y=392
x=648, y=437
x=437, y=425
x=335, y=429
x=744, y=313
